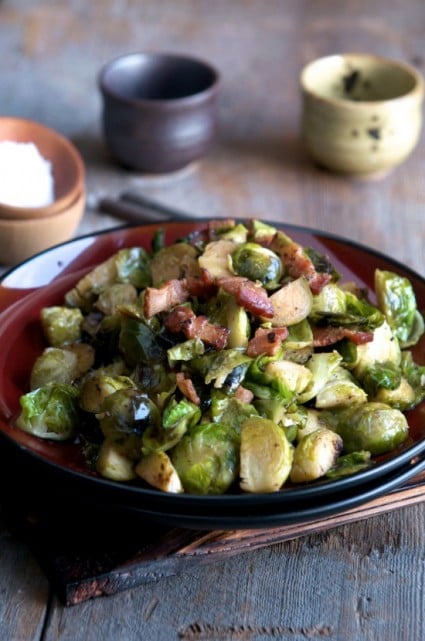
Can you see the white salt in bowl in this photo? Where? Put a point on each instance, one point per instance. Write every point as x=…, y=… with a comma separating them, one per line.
x=66, y=168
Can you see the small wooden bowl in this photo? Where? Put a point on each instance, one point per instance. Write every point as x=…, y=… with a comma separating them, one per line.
x=67, y=166
x=20, y=239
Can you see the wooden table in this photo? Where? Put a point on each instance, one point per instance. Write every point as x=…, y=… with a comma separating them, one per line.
x=359, y=581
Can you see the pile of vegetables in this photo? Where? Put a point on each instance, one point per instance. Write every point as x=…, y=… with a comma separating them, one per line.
x=232, y=359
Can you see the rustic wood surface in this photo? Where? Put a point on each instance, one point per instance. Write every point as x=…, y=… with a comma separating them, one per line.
x=356, y=582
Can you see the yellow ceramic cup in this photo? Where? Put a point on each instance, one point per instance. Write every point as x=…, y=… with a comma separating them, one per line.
x=362, y=114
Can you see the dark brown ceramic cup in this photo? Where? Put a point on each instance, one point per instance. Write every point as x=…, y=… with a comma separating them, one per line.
x=159, y=110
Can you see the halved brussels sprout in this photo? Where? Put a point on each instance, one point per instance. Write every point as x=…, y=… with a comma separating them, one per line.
x=330, y=300
x=315, y=454
x=157, y=470
x=258, y=264
x=114, y=296
x=216, y=258
x=340, y=390
x=384, y=348
x=292, y=303
x=265, y=456
x=396, y=299
x=224, y=310
x=175, y=261
x=113, y=463
x=294, y=376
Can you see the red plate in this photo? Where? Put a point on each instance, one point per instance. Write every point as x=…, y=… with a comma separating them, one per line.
x=43, y=280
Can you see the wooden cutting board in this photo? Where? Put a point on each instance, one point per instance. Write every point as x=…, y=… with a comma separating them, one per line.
x=93, y=558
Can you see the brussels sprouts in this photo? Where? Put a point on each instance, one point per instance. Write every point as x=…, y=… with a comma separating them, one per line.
x=396, y=299
x=97, y=386
x=238, y=233
x=206, y=458
x=293, y=376
x=321, y=365
x=113, y=463
x=54, y=365
x=314, y=420
x=414, y=375
x=157, y=470
x=258, y=264
x=260, y=230
x=89, y=286
x=61, y=325
x=350, y=464
x=177, y=418
x=223, y=310
x=340, y=390
x=268, y=385
x=216, y=367
x=124, y=418
x=175, y=261
x=228, y=409
x=132, y=266
x=315, y=454
x=330, y=301
x=292, y=303
x=265, y=456
x=384, y=348
x=114, y=296
x=185, y=351
x=216, y=258
x=138, y=343
x=149, y=392
x=299, y=340
x=50, y=412
x=381, y=376
x=375, y=427
x=402, y=397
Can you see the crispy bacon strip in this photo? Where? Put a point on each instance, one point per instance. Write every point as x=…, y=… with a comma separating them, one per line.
x=183, y=319
x=324, y=336
x=202, y=286
x=299, y=264
x=161, y=299
x=187, y=388
x=266, y=341
x=248, y=294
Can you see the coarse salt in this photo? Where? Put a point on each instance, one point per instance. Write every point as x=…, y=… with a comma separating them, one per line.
x=26, y=178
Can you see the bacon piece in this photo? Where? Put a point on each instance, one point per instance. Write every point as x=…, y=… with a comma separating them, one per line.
x=161, y=299
x=187, y=388
x=183, y=319
x=244, y=395
x=202, y=286
x=298, y=263
x=324, y=336
x=266, y=341
x=248, y=294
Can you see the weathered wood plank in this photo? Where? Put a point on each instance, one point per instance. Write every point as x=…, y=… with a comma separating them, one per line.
x=24, y=590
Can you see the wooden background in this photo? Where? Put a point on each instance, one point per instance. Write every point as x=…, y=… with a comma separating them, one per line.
x=357, y=582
